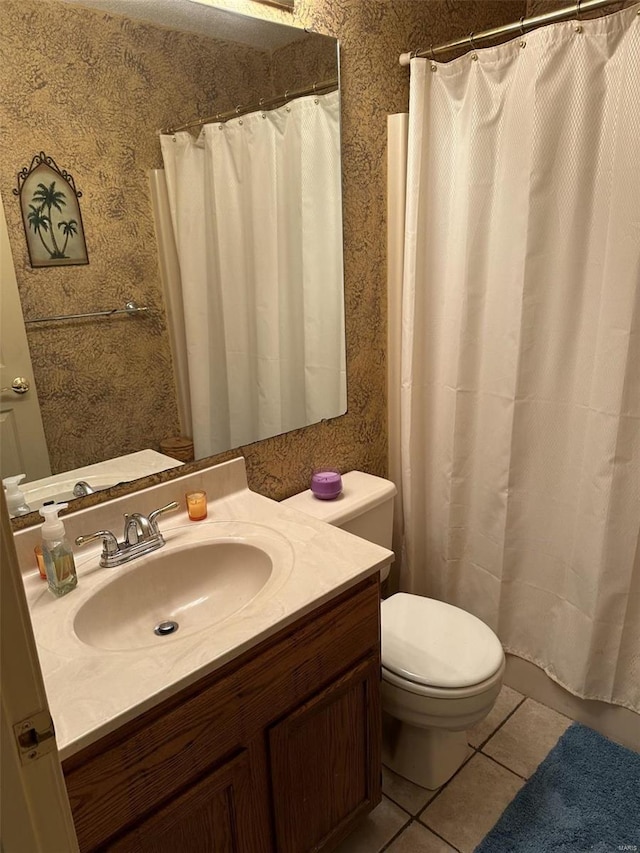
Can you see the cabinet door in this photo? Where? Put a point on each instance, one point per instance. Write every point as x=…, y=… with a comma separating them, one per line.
x=213, y=816
x=325, y=762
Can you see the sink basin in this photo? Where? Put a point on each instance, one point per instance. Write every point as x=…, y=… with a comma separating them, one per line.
x=172, y=594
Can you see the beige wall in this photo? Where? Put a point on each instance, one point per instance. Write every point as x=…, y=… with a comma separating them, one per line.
x=372, y=33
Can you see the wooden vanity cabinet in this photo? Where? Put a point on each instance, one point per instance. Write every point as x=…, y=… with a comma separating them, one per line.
x=277, y=751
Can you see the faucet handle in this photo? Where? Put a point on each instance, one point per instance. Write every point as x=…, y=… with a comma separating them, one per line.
x=157, y=512
x=109, y=541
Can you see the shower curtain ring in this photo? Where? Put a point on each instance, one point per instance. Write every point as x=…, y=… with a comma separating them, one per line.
x=523, y=33
x=433, y=56
x=474, y=55
x=578, y=10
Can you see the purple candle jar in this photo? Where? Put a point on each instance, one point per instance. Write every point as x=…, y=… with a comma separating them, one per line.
x=326, y=484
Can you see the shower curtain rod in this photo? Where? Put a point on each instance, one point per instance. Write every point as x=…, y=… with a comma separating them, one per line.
x=263, y=103
x=516, y=28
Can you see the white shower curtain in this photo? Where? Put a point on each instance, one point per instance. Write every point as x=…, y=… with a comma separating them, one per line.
x=256, y=210
x=520, y=386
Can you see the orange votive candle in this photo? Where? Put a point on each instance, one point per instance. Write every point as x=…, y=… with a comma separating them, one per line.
x=197, y=505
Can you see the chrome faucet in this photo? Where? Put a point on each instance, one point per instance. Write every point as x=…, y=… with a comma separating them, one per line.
x=137, y=528
x=82, y=488
x=141, y=536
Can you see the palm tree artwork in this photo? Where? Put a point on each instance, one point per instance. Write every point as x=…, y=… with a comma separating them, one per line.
x=51, y=214
x=48, y=199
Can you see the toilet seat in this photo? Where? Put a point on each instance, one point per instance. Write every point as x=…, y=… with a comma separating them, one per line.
x=431, y=692
x=435, y=649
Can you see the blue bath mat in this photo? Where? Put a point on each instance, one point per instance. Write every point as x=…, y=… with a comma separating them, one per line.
x=583, y=798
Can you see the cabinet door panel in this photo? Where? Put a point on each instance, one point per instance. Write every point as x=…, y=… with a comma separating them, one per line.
x=325, y=765
x=213, y=816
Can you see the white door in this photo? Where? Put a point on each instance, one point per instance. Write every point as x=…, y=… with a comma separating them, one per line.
x=23, y=448
x=36, y=817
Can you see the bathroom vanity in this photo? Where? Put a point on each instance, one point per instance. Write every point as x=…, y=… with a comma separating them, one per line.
x=254, y=728
x=280, y=750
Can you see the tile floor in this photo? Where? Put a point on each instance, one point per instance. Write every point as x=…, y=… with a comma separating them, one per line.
x=505, y=749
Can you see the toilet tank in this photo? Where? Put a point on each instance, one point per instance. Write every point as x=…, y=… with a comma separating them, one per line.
x=364, y=508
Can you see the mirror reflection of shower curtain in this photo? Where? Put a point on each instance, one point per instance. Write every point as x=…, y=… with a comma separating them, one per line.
x=257, y=217
x=172, y=294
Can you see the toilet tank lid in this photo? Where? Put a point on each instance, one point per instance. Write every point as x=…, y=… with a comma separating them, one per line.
x=360, y=492
x=436, y=644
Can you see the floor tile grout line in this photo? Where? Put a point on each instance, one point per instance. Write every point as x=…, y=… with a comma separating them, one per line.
x=399, y=805
x=505, y=767
x=424, y=826
x=441, y=837
x=500, y=725
x=404, y=808
x=404, y=826
x=443, y=787
x=424, y=805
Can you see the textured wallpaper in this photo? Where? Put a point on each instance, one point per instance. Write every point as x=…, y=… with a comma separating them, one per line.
x=43, y=81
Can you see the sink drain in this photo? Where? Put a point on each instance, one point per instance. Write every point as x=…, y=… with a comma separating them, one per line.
x=164, y=628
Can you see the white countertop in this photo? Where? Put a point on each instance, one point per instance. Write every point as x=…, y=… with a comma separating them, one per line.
x=91, y=691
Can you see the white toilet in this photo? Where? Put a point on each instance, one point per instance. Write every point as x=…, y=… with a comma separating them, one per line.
x=442, y=668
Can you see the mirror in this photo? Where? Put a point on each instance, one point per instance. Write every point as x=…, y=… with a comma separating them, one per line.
x=91, y=88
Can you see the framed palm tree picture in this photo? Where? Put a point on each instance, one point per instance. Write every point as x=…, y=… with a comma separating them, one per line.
x=50, y=206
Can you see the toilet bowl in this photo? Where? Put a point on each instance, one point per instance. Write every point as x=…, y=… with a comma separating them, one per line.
x=442, y=670
x=442, y=667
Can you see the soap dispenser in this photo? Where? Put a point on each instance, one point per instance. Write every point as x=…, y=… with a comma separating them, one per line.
x=16, y=503
x=56, y=550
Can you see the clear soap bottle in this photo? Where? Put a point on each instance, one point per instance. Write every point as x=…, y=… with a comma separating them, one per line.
x=56, y=550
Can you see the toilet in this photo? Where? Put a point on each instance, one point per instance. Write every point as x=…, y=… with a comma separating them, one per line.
x=442, y=667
